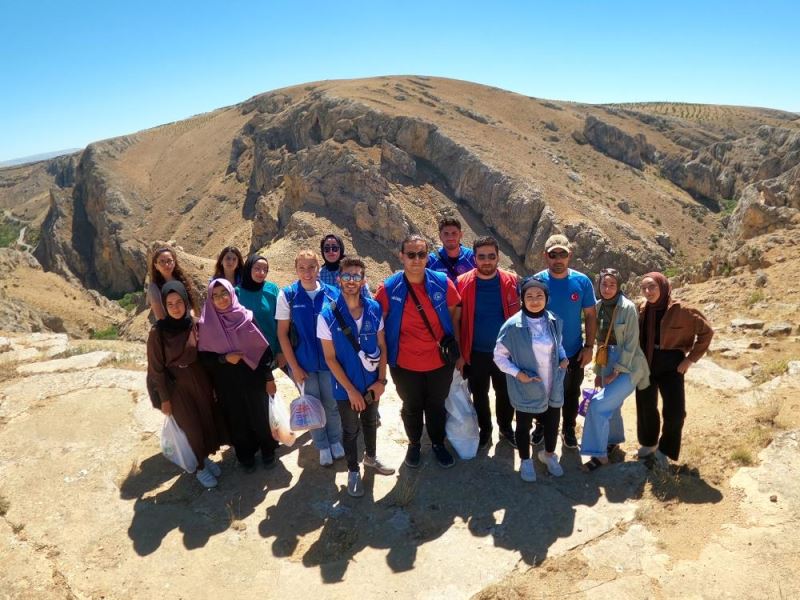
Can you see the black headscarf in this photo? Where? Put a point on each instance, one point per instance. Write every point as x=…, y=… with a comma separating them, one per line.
x=331, y=266
x=532, y=282
x=247, y=273
x=169, y=324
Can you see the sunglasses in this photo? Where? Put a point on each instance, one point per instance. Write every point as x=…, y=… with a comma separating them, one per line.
x=558, y=254
x=347, y=277
x=486, y=256
x=330, y=248
x=420, y=255
x=165, y=261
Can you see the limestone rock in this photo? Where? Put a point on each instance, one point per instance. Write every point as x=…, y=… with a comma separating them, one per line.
x=706, y=372
x=73, y=363
x=747, y=323
x=610, y=140
x=778, y=329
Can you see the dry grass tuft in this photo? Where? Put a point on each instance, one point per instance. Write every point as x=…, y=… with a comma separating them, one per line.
x=5, y=505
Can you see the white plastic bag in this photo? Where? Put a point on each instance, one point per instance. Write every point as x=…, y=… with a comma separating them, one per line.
x=462, y=420
x=279, y=422
x=306, y=412
x=175, y=446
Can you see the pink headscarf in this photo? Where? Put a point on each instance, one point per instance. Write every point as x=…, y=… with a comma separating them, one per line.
x=231, y=330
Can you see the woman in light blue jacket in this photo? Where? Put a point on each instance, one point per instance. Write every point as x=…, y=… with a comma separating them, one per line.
x=625, y=370
x=530, y=353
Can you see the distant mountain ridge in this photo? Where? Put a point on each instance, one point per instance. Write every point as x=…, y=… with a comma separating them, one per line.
x=25, y=160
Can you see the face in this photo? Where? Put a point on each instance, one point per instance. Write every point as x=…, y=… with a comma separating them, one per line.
x=221, y=298
x=535, y=299
x=557, y=260
x=486, y=259
x=259, y=271
x=451, y=237
x=650, y=290
x=165, y=264
x=331, y=250
x=176, y=307
x=608, y=287
x=415, y=263
x=307, y=269
x=348, y=283
x=229, y=262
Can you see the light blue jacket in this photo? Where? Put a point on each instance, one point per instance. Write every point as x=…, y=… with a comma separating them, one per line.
x=626, y=333
x=516, y=337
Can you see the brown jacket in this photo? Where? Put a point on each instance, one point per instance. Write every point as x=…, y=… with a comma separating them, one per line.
x=684, y=329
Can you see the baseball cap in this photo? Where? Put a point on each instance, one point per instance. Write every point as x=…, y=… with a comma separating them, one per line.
x=557, y=241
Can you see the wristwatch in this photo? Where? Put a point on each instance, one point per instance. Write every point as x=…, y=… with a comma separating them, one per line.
x=383, y=381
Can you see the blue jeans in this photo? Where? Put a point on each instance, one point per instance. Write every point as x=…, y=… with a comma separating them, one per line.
x=319, y=384
x=603, y=424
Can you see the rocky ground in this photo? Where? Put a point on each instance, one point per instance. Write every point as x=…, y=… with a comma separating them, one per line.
x=91, y=509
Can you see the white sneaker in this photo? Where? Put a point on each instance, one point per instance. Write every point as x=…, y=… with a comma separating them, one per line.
x=205, y=477
x=210, y=465
x=552, y=463
x=526, y=470
x=325, y=457
x=337, y=450
x=375, y=463
x=354, y=486
x=646, y=451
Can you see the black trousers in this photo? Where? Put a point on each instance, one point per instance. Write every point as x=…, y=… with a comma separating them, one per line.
x=480, y=372
x=547, y=419
x=423, y=394
x=572, y=391
x=352, y=423
x=664, y=378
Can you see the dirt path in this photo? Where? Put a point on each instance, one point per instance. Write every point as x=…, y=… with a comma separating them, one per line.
x=91, y=509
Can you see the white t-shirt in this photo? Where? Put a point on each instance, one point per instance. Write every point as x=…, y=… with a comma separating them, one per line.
x=282, y=310
x=324, y=332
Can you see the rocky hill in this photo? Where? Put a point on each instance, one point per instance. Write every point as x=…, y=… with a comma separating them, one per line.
x=639, y=186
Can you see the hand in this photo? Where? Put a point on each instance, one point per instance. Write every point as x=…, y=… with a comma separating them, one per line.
x=234, y=357
x=272, y=389
x=356, y=400
x=684, y=366
x=586, y=357
x=597, y=381
x=299, y=375
x=460, y=364
x=525, y=378
x=166, y=407
x=280, y=360
x=377, y=388
x=612, y=377
x=563, y=364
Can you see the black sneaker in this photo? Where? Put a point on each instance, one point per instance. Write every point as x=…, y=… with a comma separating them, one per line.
x=269, y=461
x=568, y=438
x=537, y=436
x=443, y=457
x=485, y=440
x=508, y=435
x=413, y=455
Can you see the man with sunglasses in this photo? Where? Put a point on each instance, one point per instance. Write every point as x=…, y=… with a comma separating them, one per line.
x=489, y=297
x=451, y=258
x=351, y=333
x=571, y=293
x=420, y=307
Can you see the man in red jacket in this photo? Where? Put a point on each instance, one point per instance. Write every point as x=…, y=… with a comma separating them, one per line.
x=489, y=296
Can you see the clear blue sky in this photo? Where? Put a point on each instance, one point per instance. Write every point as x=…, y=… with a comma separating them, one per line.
x=76, y=72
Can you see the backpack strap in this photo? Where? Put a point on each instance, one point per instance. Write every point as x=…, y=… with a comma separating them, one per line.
x=346, y=329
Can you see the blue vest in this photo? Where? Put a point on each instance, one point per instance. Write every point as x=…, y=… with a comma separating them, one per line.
x=345, y=353
x=516, y=337
x=395, y=286
x=304, y=316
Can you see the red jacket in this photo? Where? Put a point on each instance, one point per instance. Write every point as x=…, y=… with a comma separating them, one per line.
x=509, y=297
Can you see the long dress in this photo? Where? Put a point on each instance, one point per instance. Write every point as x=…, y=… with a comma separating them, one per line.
x=180, y=379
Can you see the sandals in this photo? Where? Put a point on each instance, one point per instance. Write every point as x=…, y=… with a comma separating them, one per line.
x=593, y=464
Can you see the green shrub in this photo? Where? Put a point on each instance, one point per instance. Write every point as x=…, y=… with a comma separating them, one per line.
x=9, y=232
x=130, y=300
x=109, y=333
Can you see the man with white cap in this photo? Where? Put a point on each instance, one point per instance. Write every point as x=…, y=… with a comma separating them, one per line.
x=571, y=293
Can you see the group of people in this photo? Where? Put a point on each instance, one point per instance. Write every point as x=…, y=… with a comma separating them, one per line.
x=449, y=309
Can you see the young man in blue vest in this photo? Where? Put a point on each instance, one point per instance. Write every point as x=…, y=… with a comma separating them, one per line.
x=351, y=333
x=420, y=375
x=299, y=305
x=451, y=258
x=489, y=297
x=571, y=293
